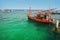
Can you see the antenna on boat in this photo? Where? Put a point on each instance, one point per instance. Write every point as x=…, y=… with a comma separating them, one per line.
x=29, y=10
x=49, y=8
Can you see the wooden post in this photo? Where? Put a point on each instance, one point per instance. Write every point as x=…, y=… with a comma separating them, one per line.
x=57, y=23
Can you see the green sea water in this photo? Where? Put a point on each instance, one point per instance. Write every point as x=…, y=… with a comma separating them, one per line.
x=16, y=26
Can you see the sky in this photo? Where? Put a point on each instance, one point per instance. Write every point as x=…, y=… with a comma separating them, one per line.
x=25, y=4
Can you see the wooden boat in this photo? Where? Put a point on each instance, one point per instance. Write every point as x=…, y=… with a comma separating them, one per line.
x=38, y=19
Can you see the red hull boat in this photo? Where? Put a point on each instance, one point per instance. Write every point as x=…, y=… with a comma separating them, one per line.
x=38, y=19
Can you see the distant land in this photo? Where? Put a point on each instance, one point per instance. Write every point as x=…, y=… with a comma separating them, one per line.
x=9, y=10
